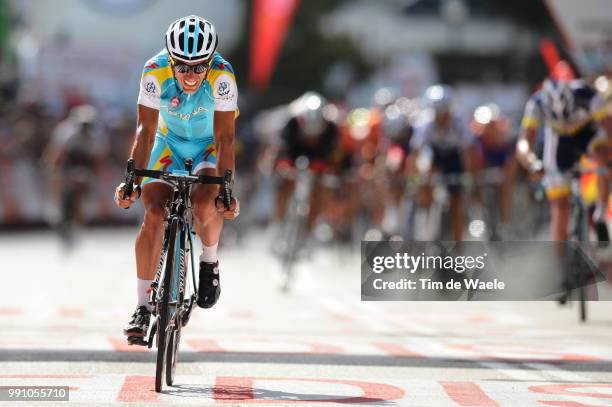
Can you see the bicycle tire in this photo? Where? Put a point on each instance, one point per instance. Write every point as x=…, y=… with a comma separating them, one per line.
x=162, y=335
x=171, y=354
x=294, y=232
x=582, y=236
x=174, y=337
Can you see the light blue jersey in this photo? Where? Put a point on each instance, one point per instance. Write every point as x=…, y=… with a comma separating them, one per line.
x=186, y=121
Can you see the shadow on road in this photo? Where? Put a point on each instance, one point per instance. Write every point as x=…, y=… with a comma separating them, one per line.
x=237, y=394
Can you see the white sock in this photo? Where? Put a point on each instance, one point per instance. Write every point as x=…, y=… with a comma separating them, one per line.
x=209, y=254
x=143, y=295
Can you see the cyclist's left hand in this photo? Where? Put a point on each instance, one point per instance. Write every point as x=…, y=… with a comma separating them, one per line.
x=233, y=211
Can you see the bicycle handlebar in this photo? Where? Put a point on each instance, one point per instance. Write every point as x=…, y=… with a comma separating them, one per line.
x=224, y=182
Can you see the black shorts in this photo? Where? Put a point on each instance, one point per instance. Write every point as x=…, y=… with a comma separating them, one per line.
x=449, y=162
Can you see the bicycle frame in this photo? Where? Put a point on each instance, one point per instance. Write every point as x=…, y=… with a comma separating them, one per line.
x=179, y=209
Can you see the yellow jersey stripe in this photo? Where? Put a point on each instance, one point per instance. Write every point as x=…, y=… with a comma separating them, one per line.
x=600, y=114
x=558, y=192
x=530, y=123
x=161, y=74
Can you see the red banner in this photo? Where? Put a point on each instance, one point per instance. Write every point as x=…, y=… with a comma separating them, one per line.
x=271, y=20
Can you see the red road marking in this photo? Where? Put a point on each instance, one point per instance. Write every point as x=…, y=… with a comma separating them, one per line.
x=480, y=318
x=246, y=314
x=120, y=345
x=68, y=312
x=138, y=389
x=321, y=348
x=341, y=317
x=240, y=389
x=205, y=345
x=316, y=348
x=396, y=350
x=468, y=394
x=489, y=351
x=562, y=390
x=45, y=376
x=7, y=311
x=568, y=404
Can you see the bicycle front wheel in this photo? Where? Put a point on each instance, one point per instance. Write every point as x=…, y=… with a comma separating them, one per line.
x=171, y=354
x=163, y=306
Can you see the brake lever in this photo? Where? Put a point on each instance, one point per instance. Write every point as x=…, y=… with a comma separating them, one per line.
x=130, y=177
x=227, y=189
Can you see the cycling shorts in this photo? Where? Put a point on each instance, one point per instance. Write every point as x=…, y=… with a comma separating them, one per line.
x=449, y=162
x=168, y=156
x=565, y=152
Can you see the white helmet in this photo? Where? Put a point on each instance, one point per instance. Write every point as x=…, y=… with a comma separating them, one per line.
x=310, y=113
x=191, y=39
x=439, y=97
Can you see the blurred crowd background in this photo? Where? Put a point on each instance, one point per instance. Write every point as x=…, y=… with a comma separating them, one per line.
x=76, y=64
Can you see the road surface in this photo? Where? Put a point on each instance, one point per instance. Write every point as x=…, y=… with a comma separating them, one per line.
x=61, y=319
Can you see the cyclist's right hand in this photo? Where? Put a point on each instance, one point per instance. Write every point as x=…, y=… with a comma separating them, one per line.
x=129, y=200
x=536, y=171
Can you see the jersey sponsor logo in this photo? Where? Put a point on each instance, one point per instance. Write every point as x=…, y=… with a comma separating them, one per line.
x=175, y=101
x=150, y=87
x=166, y=160
x=186, y=116
x=223, y=88
x=151, y=65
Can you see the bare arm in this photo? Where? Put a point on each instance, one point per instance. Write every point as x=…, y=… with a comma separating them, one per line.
x=524, y=147
x=146, y=126
x=606, y=125
x=224, y=140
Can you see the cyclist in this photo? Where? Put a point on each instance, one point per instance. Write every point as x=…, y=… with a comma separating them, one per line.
x=575, y=122
x=308, y=133
x=186, y=109
x=396, y=131
x=76, y=152
x=450, y=143
x=495, y=147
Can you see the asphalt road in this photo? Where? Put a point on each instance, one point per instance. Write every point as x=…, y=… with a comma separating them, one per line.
x=61, y=318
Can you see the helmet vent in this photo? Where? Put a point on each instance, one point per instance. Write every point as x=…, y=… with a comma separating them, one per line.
x=190, y=43
x=200, y=42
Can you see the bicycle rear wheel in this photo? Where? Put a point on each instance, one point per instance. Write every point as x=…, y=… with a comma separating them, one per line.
x=163, y=308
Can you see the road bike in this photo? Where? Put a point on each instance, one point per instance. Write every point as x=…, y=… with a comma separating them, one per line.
x=294, y=228
x=172, y=297
x=580, y=268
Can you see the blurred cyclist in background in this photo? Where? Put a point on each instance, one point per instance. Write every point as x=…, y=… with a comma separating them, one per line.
x=75, y=154
x=396, y=131
x=446, y=139
x=362, y=178
x=310, y=134
x=186, y=109
x=495, y=148
x=575, y=122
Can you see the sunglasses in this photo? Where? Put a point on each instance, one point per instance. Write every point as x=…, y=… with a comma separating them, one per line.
x=197, y=69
